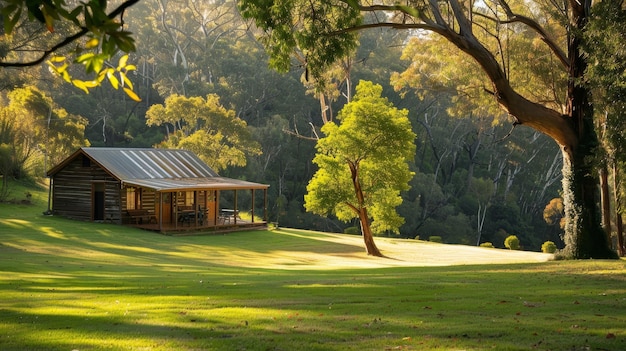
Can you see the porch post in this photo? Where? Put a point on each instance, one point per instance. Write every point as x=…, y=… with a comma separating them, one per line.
x=174, y=199
x=217, y=206
x=160, y=211
x=252, y=204
x=265, y=205
x=205, y=212
x=235, y=209
x=195, y=208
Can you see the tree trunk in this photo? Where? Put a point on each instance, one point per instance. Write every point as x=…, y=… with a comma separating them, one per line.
x=368, y=237
x=584, y=236
x=606, y=201
x=618, y=211
x=361, y=210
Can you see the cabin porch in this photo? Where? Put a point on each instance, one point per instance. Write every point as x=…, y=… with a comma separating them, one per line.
x=192, y=210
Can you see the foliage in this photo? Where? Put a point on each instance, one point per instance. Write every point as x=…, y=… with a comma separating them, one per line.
x=452, y=228
x=354, y=230
x=553, y=213
x=205, y=127
x=363, y=161
x=6, y=169
x=548, y=247
x=435, y=239
x=487, y=244
x=59, y=66
x=603, y=43
x=103, y=33
x=512, y=242
x=315, y=32
x=37, y=131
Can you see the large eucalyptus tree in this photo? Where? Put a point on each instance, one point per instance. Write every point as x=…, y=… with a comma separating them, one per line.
x=323, y=31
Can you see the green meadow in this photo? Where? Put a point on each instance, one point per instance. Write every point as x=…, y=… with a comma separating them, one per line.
x=67, y=285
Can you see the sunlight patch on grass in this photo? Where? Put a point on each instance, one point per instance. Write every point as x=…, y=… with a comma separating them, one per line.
x=15, y=223
x=54, y=233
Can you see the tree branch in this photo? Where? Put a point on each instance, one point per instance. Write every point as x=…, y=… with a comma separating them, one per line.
x=68, y=40
x=515, y=18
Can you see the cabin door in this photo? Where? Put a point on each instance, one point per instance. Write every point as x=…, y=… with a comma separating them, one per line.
x=166, y=208
x=97, y=201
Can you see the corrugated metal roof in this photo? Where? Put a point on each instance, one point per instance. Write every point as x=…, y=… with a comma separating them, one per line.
x=147, y=163
x=159, y=169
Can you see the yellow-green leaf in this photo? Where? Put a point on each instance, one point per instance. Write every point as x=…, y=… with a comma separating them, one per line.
x=122, y=62
x=49, y=20
x=52, y=67
x=101, y=76
x=85, y=57
x=62, y=68
x=91, y=83
x=126, y=81
x=66, y=76
x=113, y=79
x=81, y=85
x=57, y=59
x=132, y=94
x=92, y=43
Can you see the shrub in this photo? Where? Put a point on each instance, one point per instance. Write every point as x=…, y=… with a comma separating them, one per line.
x=352, y=230
x=511, y=242
x=435, y=239
x=487, y=244
x=548, y=247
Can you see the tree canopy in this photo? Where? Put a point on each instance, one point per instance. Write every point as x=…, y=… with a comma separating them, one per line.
x=205, y=127
x=33, y=127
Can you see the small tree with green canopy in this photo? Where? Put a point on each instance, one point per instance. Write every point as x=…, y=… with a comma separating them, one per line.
x=204, y=126
x=363, y=164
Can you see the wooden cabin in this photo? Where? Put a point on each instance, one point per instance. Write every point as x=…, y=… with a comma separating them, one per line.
x=157, y=189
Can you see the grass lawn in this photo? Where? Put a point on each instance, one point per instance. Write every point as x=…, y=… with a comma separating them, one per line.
x=67, y=285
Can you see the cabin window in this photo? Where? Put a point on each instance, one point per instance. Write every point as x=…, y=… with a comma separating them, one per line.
x=188, y=198
x=133, y=198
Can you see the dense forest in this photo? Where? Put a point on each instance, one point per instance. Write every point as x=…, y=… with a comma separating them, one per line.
x=478, y=177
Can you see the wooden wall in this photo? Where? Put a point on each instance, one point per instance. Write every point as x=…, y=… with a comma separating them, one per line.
x=72, y=191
